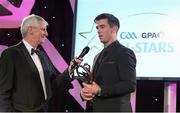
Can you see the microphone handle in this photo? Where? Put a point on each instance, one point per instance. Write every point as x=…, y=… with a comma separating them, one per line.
x=74, y=64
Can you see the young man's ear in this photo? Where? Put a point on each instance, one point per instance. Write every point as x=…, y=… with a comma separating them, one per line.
x=115, y=29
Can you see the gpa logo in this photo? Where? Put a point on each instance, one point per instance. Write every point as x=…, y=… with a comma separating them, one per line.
x=152, y=34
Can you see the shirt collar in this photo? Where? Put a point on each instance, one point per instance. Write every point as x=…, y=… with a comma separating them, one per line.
x=28, y=46
x=111, y=46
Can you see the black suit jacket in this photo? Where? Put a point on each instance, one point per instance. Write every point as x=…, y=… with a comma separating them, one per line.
x=20, y=84
x=116, y=75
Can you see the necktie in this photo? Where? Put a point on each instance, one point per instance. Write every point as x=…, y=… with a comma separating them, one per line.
x=99, y=61
x=34, y=51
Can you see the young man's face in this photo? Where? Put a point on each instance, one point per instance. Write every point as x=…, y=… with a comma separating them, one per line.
x=105, y=32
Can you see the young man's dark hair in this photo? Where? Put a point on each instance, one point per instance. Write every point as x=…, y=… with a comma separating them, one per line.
x=112, y=20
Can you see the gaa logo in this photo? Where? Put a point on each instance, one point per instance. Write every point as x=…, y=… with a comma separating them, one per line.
x=128, y=35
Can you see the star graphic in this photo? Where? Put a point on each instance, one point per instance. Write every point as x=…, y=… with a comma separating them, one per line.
x=90, y=36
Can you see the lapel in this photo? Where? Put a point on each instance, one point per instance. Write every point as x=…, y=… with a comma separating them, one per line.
x=97, y=69
x=31, y=63
x=94, y=62
x=109, y=51
x=45, y=62
x=33, y=68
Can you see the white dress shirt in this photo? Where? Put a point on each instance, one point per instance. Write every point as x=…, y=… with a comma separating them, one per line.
x=38, y=64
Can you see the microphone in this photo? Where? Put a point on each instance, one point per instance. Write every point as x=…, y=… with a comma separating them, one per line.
x=83, y=53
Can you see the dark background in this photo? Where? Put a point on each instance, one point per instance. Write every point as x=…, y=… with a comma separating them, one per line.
x=58, y=13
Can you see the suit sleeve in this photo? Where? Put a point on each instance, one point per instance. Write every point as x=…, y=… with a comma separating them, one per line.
x=126, y=69
x=6, y=81
x=62, y=79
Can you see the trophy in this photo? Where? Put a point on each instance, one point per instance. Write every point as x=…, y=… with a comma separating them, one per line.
x=85, y=74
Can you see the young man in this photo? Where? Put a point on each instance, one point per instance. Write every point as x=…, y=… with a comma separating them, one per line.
x=114, y=70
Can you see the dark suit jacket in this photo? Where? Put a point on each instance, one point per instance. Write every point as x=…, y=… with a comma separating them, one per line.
x=116, y=75
x=20, y=84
